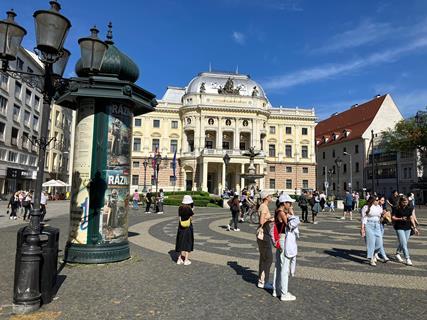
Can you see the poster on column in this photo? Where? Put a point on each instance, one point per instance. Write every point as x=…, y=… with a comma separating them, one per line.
x=79, y=220
x=114, y=217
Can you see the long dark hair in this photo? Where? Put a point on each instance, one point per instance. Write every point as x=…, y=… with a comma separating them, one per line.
x=370, y=203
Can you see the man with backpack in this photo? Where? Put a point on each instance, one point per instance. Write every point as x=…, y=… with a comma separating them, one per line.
x=303, y=204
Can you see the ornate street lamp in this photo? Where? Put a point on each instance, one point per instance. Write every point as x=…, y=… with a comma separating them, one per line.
x=338, y=163
x=145, y=164
x=226, y=160
x=351, y=170
x=157, y=160
x=51, y=32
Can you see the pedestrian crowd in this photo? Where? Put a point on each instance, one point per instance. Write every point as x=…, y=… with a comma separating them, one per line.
x=21, y=203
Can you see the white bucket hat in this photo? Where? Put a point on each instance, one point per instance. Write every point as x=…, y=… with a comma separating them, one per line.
x=264, y=194
x=285, y=198
x=187, y=199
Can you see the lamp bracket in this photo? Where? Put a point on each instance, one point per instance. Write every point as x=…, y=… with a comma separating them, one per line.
x=41, y=142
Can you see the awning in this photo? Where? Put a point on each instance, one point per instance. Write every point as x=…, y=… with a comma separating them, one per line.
x=55, y=183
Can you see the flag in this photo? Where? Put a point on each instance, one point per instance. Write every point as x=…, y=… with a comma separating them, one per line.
x=174, y=165
x=154, y=164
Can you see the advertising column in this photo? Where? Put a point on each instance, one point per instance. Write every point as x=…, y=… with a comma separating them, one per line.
x=100, y=195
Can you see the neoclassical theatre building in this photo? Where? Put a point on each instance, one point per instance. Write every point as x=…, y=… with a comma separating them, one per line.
x=222, y=113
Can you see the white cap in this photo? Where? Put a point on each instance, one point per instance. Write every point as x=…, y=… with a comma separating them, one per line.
x=187, y=199
x=285, y=198
x=264, y=194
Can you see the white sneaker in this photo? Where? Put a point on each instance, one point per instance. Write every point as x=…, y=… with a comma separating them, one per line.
x=372, y=262
x=376, y=257
x=179, y=261
x=187, y=262
x=10, y=218
x=408, y=262
x=274, y=293
x=398, y=257
x=15, y=218
x=160, y=212
x=315, y=222
x=288, y=297
x=228, y=227
x=342, y=218
x=147, y=212
x=236, y=229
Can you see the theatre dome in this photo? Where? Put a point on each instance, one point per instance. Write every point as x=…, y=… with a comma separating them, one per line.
x=225, y=83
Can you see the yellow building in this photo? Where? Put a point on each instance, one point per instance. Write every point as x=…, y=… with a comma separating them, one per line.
x=218, y=114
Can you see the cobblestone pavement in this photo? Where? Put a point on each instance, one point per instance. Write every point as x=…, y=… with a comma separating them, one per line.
x=333, y=279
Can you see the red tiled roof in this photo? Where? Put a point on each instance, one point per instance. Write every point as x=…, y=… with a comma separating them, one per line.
x=355, y=120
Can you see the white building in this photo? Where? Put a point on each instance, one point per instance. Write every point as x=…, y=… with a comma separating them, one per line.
x=220, y=113
x=350, y=132
x=20, y=122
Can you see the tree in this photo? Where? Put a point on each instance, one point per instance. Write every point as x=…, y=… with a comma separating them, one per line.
x=408, y=135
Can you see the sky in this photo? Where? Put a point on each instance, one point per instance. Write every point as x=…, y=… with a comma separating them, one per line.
x=326, y=55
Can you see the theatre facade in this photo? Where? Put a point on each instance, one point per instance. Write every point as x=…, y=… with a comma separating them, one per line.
x=216, y=114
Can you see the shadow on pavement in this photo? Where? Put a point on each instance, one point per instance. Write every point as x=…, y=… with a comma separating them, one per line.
x=132, y=234
x=174, y=255
x=348, y=254
x=247, y=274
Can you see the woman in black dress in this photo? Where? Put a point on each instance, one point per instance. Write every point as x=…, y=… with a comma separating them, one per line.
x=185, y=237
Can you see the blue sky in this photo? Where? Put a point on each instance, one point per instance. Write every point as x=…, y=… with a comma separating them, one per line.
x=326, y=54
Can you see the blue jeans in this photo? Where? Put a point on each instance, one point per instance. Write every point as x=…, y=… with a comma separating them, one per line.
x=403, y=237
x=374, y=239
x=282, y=270
x=135, y=204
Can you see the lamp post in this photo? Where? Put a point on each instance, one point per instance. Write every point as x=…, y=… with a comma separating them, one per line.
x=351, y=170
x=329, y=174
x=157, y=160
x=338, y=163
x=145, y=164
x=226, y=160
x=51, y=32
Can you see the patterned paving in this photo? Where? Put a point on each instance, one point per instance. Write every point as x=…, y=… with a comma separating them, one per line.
x=331, y=251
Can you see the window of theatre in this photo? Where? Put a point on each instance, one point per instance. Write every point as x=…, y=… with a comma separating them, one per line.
x=288, y=169
x=272, y=129
x=272, y=183
x=288, y=183
x=304, y=169
x=138, y=122
x=211, y=121
x=272, y=169
x=174, y=124
x=245, y=123
x=272, y=150
x=228, y=122
x=156, y=123
x=305, y=184
x=304, y=152
x=135, y=179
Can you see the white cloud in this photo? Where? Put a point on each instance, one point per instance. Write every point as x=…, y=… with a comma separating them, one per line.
x=366, y=32
x=411, y=102
x=239, y=37
x=336, y=69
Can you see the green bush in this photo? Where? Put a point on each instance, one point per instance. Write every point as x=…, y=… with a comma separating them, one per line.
x=213, y=205
x=362, y=202
x=172, y=202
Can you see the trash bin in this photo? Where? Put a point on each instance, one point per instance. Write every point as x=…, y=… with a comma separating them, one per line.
x=49, y=242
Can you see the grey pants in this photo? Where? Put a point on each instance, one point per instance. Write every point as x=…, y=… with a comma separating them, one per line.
x=265, y=259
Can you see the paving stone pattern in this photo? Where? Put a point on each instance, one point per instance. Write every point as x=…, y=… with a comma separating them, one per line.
x=333, y=279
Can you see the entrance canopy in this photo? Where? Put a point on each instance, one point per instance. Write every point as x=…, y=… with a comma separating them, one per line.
x=55, y=183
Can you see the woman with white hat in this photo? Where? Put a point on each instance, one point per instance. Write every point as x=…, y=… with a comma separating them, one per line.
x=264, y=242
x=185, y=236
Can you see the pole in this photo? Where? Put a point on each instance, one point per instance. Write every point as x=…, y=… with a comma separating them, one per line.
x=373, y=161
x=27, y=295
x=326, y=181
x=145, y=176
x=351, y=175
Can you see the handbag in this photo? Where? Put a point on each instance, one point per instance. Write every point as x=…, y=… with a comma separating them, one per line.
x=185, y=223
x=260, y=232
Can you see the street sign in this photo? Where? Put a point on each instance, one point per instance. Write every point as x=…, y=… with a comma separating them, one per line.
x=326, y=183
